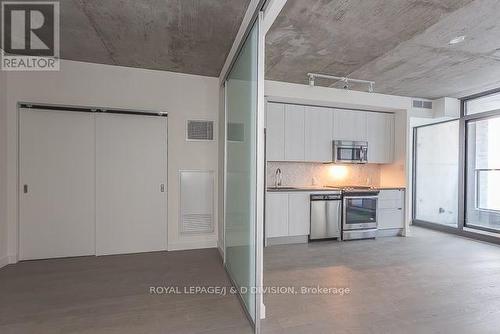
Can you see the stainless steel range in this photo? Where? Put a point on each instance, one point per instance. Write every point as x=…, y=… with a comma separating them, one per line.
x=359, y=219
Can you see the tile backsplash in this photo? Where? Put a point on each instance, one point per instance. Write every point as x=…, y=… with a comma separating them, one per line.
x=319, y=174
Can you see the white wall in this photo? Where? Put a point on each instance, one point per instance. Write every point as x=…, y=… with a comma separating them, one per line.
x=3, y=169
x=182, y=96
x=396, y=174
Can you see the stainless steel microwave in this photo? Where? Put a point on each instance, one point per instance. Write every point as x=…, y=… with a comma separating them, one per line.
x=350, y=152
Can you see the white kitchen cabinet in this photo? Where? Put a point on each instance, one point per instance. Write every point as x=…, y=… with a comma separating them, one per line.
x=294, y=133
x=275, y=132
x=391, y=209
x=287, y=214
x=349, y=125
x=298, y=214
x=380, y=137
x=276, y=214
x=305, y=133
x=318, y=134
x=390, y=219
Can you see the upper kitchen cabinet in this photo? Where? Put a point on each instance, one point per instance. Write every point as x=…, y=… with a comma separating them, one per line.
x=380, y=136
x=305, y=133
x=294, y=132
x=349, y=125
x=318, y=134
x=275, y=132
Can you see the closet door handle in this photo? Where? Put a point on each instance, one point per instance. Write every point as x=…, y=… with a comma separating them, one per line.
x=25, y=188
x=162, y=188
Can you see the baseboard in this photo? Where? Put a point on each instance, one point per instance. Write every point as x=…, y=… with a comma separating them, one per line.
x=391, y=232
x=221, y=250
x=300, y=239
x=262, y=311
x=187, y=245
x=7, y=260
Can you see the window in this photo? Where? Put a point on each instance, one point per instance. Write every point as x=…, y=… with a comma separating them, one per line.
x=456, y=170
x=483, y=173
x=482, y=104
x=437, y=173
x=488, y=196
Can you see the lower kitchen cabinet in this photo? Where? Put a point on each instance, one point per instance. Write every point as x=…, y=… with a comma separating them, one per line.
x=287, y=214
x=276, y=214
x=391, y=209
x=298, y=214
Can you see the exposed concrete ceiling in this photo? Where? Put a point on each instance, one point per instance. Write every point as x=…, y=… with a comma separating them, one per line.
x=189, y=36
x=400, y=44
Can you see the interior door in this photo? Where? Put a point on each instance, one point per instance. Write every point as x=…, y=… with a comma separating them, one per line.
x=57, y=184
x=131, y=189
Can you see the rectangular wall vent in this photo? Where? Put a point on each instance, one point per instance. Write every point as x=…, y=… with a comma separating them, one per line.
x=200, y=130
x=427, y=105
x=197, y=223
x=197, y=202
x=422, y=104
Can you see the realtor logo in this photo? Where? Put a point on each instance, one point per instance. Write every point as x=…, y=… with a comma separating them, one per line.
x=30, y=36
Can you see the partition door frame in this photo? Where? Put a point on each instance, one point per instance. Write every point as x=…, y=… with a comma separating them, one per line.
x=259, y=174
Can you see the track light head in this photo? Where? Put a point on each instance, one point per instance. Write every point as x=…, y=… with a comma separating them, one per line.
x=370, y=88
x=311, y=81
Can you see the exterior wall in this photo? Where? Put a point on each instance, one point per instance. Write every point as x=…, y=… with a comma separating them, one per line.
x=182, y=96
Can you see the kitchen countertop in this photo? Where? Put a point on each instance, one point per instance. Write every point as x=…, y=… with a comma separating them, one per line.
x=301, y=188
x=320, y=188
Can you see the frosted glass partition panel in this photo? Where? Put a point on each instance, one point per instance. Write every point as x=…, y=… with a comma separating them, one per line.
x=241, y=170
x=483, y=174
x=437, y=173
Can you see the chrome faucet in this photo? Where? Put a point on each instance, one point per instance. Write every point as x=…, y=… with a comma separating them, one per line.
x=278, y=178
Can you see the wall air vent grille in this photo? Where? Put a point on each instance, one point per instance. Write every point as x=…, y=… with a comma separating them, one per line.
x=197, y=223
x=422, y=104
x=197, y=201
x=200, y=130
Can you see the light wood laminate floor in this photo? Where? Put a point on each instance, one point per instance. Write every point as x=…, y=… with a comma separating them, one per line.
x=427, y=283
x=430, y=282
x=110, y=294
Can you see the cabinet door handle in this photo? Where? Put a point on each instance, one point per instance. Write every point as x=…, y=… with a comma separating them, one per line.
x=25, y=188
x=162, y=188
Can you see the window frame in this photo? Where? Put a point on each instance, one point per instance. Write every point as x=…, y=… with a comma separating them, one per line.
x=463, y=229
x=478, y=190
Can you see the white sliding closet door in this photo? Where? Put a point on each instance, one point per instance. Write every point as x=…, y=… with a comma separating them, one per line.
x=131, y=181
x=57, y=184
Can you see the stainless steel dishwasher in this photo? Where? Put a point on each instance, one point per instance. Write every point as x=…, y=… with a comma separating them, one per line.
x=326, y=216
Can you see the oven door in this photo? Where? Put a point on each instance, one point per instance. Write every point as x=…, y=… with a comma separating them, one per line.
x=360, y=212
